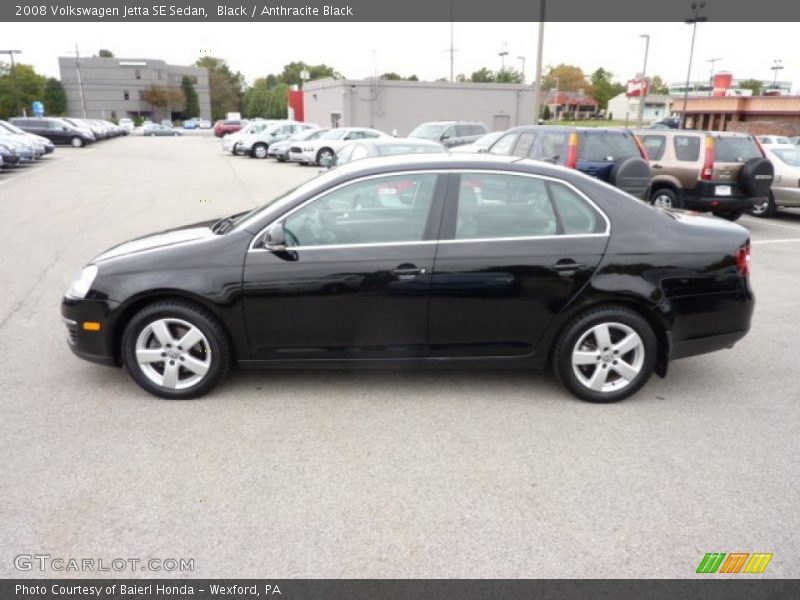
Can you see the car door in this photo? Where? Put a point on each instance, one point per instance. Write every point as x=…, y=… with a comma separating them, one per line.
x=354, y=280
x=514, y=250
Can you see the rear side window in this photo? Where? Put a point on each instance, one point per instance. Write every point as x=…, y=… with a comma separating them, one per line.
x=599, y=146
x=655, y=146
x=554, y=145
x=463, y=130
x=687, y=148
x=576, y=215
x=735, y=149
x=504, y=144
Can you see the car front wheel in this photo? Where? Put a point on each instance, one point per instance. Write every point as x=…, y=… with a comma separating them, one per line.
x=606, y=354
x=259, y=151
x=175, y=350
x=76, y=142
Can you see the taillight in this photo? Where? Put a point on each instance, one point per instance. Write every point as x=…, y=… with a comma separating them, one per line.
x=708, y=161
x=743, y=260
x=572, y=151
x=642, y=149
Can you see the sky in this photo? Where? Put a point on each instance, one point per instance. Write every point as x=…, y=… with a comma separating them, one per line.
x=359, y=50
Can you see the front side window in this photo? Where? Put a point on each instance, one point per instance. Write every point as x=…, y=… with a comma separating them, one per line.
x=504, y=144
x=498, y=206
x=553, y=146
x=378, y=210
x=655, y=146
x=524, y=144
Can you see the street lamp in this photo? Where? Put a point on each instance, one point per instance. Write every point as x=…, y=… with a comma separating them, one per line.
x=643, y=83
x=11, y=53
x=777, y=65
x=522, y=58
x=696, y=18
x=502, y=56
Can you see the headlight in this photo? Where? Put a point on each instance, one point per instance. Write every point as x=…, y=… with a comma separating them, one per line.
x=81, y=284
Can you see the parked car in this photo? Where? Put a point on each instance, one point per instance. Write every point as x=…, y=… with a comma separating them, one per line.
x=204, y=124
x=482, y=144
x=667, y=123
x=487, y=262
x=785, y=190
x=280, y=150
x=724, y=173
x=611, y=155
x=191, y=123
x=8, y=154
x=795, y=139
x=774, y=140
x=323, y=149
x=126, y=124
x=80, y=124
x=360, y=149
x=224, y=127
x=166, y=123
x=256, y=143
x=231, y=140
x=26, y=151
x=7, y=128
x=450, y=133
x=160, y=130
x=55, y=130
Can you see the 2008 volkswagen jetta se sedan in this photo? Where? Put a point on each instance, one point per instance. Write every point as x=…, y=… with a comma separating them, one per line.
x=417, y=262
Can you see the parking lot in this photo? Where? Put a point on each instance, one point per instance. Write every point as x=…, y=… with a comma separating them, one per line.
x=373, y=474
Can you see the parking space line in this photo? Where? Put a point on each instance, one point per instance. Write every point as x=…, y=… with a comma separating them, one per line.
x=773, y=224
x=784, y=241
x=16, y=176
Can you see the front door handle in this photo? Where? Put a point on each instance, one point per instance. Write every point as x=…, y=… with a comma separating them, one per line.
x=406, y=271
x=656, y=166
x=567, y=267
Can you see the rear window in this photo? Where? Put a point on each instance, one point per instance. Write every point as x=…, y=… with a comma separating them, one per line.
x=602, y=147
x=232, y=123
x=687, y=147
x=735, y=149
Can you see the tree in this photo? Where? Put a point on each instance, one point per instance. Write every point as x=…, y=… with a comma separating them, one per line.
x=169, y=97
x=291, y=72
x=278, y=102
x=105, y=53
x=754, y=85
x=257, y=99
x=29, y=86
x=546, y=113
x=568, y=78
x=657, y=85
x=191, y=97
x=412, y=78
x=391, y=77
x=482, y=75
x=225, y=86
x=508, y=75
x=603, y=88
x=55, y=98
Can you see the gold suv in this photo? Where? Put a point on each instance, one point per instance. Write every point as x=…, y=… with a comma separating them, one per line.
x=720, y=172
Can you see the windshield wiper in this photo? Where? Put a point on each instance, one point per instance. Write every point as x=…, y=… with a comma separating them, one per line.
x=223, y=225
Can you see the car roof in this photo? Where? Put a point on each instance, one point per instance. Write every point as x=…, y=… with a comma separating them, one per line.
x=450, y=122
x=399, y=141
x=569, y=128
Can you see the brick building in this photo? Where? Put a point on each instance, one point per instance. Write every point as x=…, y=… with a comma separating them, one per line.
x=758, y=115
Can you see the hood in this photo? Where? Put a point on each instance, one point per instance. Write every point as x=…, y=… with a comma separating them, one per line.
x=158, y=241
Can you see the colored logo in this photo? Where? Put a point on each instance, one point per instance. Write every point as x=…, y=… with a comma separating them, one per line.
x=734, y=562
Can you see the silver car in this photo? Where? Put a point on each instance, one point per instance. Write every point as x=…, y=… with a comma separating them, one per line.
x=785, y=190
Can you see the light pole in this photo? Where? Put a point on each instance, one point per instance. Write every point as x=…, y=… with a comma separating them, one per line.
x=713, y=62
x=643, y=83
x=522, y=58
x=502, y=54
x=537, y=78
x=11, y=54
x=696, y=18
x=777, y=65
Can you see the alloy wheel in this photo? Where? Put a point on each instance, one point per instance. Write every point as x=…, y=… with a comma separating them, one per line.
x=662, y=201
x=260, y=151
x=173, y=353
x=608, y=357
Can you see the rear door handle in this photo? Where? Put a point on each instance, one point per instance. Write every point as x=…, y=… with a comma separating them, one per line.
x=408, y=271
x=567, y=267
x=656, y=166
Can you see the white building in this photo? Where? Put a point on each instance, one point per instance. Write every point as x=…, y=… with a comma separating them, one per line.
x=622, y=108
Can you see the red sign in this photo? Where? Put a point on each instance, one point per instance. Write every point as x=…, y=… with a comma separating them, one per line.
x=722, y=82
x=634, y=88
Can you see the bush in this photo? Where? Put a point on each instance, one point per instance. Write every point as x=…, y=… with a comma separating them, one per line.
x=138, y=120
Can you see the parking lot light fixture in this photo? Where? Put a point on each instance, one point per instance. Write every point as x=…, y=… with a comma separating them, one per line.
x=693, y=21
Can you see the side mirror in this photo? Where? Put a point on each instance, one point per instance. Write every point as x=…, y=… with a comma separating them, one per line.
x=444, y=137
x=275, y=238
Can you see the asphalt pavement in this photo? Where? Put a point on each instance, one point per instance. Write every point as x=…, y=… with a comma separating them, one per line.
x=368, y=474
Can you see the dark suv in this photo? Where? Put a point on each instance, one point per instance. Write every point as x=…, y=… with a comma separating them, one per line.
x=55, y=130
x=611, y=155
x=450, y=133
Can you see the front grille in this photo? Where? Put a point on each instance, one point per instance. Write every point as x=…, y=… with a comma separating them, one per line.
x=296, y=149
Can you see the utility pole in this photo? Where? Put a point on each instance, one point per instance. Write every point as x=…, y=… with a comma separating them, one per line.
x=11, y=54
x=643, y=83
x=452, y=50
x=80, y=80
x=693, y=21
x=502, y=54
x=537, y=78
x=777, y=65
x=713, y=62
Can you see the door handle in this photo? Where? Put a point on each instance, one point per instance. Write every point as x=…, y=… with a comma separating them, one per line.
x=408, y=271
x=567, y=267
x=656, y=166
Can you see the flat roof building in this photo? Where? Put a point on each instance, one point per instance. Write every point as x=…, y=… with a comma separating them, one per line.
x=757, y=115
x=112, y=88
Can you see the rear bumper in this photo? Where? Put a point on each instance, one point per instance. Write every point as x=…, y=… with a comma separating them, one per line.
x=705, y=345
x=706, y=197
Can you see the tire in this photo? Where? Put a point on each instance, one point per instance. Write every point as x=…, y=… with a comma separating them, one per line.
x=756, y=177
x=76, y=142
x=323, y=153
x=729, y=215
x=233, y=150
x=155, y=332
x=280, y=159
x=631, y=175
x=766, y=209
x=621, y=370
x=259, y=151
x=664, y=198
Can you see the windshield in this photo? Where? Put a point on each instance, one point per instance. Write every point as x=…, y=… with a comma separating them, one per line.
x=10, y=127
x=606, y=146
x=488, y=139
x=790, y=156
x=394, y=149
x=731, y=149
x=307, y=134
x=333, y=134
x=427, y=131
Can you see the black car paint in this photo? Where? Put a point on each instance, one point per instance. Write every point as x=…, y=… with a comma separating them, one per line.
x=501, y=301
x=61, y=135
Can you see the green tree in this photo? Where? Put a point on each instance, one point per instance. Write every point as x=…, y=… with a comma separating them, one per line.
x=752, y=84
x=412, y=78
x=169, y=97
x=29, y=84
x=105, y=53
x=291, y=72
x=658, y=86
x=508, y=75
x=55, y=98
x=257, y=99
x=391, y=77
x=226, y=87
x=569, y=78
x=192, y=99
x=603, y=87
x=546, y=113
x=278, y=102
x=483, y=75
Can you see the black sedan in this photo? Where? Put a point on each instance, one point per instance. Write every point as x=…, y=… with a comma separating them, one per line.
x=421, y=261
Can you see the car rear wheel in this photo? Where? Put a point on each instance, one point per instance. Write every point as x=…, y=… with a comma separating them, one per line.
x=765, y=208
x=175, y=350
x=259, y=151
x=76, y=142
x=324, y=154
x=606, y=354
x=664, y=198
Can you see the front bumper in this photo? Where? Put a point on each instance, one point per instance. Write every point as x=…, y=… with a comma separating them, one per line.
x=305, y=157
x=94, y=346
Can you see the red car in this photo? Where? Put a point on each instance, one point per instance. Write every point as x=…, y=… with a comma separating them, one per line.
x=227, y=126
